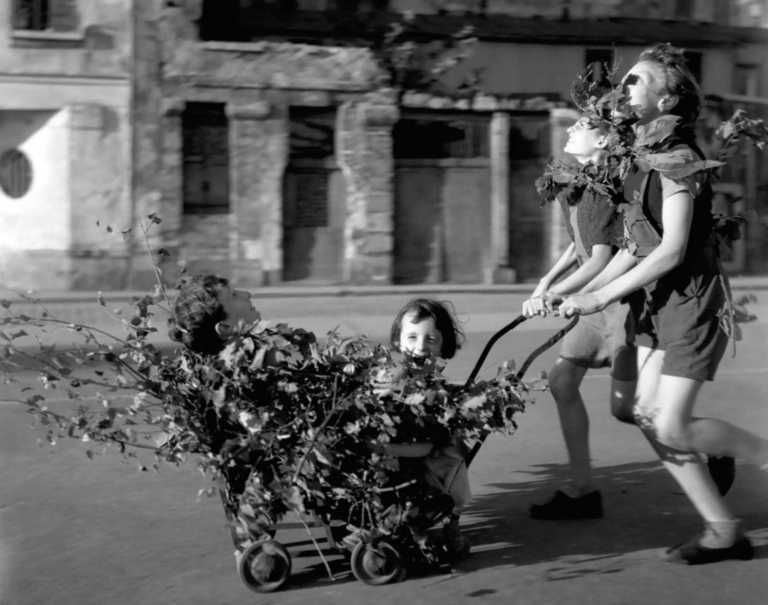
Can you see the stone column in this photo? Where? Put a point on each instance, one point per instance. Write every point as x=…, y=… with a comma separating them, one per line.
x=98, y=191
x=161, y=194
x=559, y=120
x=364, y=154
x=172, y=177
x=258, y=148
x=499, y=271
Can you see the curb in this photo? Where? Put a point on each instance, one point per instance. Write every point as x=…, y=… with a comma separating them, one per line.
x=744, y=283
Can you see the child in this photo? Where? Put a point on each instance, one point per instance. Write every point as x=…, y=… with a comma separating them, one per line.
x=673, y=263
x=206, y=312
x=598, y=340
x=423, y=331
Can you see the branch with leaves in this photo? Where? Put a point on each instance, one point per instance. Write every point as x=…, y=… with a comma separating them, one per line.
x=279, y=421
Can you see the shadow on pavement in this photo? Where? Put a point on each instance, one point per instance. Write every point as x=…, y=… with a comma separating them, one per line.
x=644, y=509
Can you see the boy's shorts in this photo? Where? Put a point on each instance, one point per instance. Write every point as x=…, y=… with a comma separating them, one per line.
x=602, y=340
x=683, y=321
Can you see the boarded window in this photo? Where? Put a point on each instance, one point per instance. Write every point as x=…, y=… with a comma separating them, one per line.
x=206, y=158
x=311, y=204
x=440, y=136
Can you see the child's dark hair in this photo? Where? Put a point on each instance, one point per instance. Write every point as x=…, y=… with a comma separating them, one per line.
x=678, y=80
x=442, y=313
x=196, y=311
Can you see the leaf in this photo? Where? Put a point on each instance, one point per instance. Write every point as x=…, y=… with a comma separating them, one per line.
x=162, y=439
x=656, y=131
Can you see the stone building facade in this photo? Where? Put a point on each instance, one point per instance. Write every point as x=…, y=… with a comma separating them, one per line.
x=274, y=152
x=65, y=162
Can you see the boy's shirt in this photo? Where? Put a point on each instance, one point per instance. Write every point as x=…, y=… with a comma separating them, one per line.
x=590, y=221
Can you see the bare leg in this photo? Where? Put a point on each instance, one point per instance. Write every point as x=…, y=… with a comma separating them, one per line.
x=663, y=413
x=564, y=382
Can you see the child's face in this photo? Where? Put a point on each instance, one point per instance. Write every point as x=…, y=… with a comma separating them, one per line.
x=238, y=306
x=646, y=88
x=420, y=342
x=583, y=141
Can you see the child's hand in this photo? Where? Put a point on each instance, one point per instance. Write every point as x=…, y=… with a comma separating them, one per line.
x=554, y=301
x=582, y=304
x=540, y=305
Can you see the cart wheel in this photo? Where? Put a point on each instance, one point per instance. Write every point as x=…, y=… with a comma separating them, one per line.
x=376, y=564
x=264, y=566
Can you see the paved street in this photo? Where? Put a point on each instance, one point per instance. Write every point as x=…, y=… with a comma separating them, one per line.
x=81, y=532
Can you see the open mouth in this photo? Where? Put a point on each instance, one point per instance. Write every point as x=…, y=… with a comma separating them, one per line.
x=419, y=361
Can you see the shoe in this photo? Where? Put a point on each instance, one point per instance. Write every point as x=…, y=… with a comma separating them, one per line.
x=722, y=469
x=563, y=507
x=693, y=553
x=456, y=544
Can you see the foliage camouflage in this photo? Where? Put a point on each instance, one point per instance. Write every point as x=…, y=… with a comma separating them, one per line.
x=279, y=421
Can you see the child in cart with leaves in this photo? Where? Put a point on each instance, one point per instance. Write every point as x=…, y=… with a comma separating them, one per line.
x=291, y=423
x=424, y=331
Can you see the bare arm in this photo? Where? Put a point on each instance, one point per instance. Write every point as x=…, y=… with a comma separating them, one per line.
x=622, y=262
x=565, y=262
x=677, y=213
x=535, y=304
x=601, y=257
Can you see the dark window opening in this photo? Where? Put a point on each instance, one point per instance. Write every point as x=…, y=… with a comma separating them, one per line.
x=599, y=62
x=312, y=133
x=529, y=137
x=684, y=9
x=441, y=137
x=205, y=150
x=15, y=173
x=43, y=15
x=693, y=61
x=747, y=80
x=30, y=15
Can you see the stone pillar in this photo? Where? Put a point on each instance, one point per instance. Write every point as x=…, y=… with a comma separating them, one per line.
x=499, y=271
x=98, y=192
x=559, y=120
x=258, y=147
x=172, y=177
x=160, y=194
x=364, y=154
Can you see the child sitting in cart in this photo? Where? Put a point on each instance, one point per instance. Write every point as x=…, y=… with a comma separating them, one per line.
x=207, y=311
x=424, y=331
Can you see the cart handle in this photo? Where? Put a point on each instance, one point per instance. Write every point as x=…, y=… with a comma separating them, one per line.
x=526, y=364
x=508, y=328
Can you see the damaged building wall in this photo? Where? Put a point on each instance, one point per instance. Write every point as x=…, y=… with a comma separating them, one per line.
x=256, y=84
x=64, y=122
